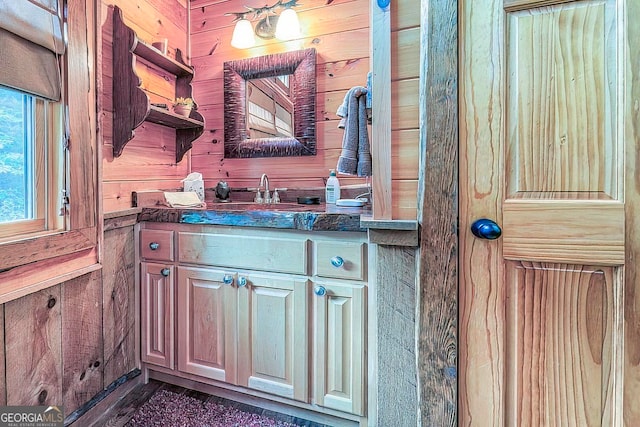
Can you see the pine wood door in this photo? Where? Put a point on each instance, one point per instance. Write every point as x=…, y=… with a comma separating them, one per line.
x=549, y=131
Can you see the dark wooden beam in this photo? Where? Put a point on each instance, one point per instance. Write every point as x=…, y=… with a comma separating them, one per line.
x=438, y=270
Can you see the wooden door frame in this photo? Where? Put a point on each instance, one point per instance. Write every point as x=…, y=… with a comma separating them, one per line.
x=437, y=336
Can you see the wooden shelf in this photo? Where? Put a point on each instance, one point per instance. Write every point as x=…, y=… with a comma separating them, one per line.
x=156, y=57
x=167, y=118
x=131, y=106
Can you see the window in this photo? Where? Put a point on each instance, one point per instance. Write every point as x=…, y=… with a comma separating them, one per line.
x=30, y=182
x=41, y=245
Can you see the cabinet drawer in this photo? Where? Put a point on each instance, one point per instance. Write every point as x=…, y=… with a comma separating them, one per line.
x=341, y=260
x=156, y=245
x=235, y=251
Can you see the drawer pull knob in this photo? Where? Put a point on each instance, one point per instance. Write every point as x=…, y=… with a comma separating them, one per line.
x=165, y=272
x=227, y=279
x=242, y=281
x=154, y=246
x=320, y=291
x=337, y=261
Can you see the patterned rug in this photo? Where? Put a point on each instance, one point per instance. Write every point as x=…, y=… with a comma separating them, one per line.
x=168, y=409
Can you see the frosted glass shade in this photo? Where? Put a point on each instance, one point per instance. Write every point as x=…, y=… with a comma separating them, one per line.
x=243, y=35
x=288, y=27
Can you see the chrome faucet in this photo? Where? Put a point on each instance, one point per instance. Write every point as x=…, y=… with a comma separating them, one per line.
x=264, y=182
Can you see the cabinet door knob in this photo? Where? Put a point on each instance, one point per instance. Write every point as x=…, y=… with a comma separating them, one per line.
x=242, y=281
x=154, y=246
x=165, y=272
x=337, y=261
x=320, y=291
x=227, y=279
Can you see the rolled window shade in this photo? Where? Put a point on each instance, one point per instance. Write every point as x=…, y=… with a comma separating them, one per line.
x=34, y=20
x=30, y=40
x=28, y=67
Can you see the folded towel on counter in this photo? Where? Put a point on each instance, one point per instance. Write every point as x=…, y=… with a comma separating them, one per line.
x=185, y=199
x=355, y=158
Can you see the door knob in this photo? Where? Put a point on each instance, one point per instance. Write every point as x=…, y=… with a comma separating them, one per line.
x=484, y=228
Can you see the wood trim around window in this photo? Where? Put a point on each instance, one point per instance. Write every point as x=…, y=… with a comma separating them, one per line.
x=35, y=263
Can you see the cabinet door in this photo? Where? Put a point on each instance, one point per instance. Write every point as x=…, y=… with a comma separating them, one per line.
x=157, y=319
x=339, y=343
x=207, y=320
x=272, y=335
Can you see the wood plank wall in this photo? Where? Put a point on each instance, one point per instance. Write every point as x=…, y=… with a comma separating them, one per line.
x=148, y=161
x=64, y=344
x=340, y=33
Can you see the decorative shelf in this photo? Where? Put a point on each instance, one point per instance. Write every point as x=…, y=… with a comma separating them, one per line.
x=168, y=118
x=131, y=105
x=153, y=55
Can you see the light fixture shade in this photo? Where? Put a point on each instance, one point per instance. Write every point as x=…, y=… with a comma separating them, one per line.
x=288, y=27
x=243, y=35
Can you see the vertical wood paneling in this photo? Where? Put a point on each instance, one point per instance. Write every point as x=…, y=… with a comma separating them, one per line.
x=81, y=96
x=82, y=362
x=118, y=303
x=396, y=303
x=33, y=346
x=381, y=106
x=438, y=293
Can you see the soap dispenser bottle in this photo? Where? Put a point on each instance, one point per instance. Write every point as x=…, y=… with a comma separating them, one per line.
x=333, y=188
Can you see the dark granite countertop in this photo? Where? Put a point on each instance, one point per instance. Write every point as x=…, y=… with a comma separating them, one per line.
x=284, y=216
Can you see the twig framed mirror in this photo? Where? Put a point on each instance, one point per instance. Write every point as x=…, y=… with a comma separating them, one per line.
x=270, y=105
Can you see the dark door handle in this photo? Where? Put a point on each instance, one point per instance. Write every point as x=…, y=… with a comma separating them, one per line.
x=484, y=228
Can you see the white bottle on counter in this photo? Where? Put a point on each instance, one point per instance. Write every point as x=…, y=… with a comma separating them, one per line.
x=333, y=188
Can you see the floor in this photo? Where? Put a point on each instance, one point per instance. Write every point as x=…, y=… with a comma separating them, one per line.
x=122, y=412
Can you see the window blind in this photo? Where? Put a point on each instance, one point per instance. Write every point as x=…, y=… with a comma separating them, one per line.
x=31, y=39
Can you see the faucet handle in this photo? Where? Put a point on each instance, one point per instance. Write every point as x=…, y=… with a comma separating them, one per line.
x=258, y=198
x=276, y=196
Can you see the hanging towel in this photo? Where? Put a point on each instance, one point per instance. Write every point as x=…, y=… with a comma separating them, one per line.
x=356, y=155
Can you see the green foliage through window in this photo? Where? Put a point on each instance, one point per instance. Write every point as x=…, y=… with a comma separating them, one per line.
x=14, y=143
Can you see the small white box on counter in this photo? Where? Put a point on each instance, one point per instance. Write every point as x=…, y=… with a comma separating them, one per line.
x=193, y=182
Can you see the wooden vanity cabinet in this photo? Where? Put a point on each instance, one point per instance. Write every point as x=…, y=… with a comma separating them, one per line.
x=267, y=311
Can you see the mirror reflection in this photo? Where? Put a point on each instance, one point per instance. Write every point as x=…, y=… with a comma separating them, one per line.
x=270, y=107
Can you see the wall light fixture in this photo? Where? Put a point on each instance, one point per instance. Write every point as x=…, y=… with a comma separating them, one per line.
x=270, y=25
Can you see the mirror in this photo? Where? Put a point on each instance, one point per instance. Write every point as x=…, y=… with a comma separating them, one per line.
x=270, y=105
